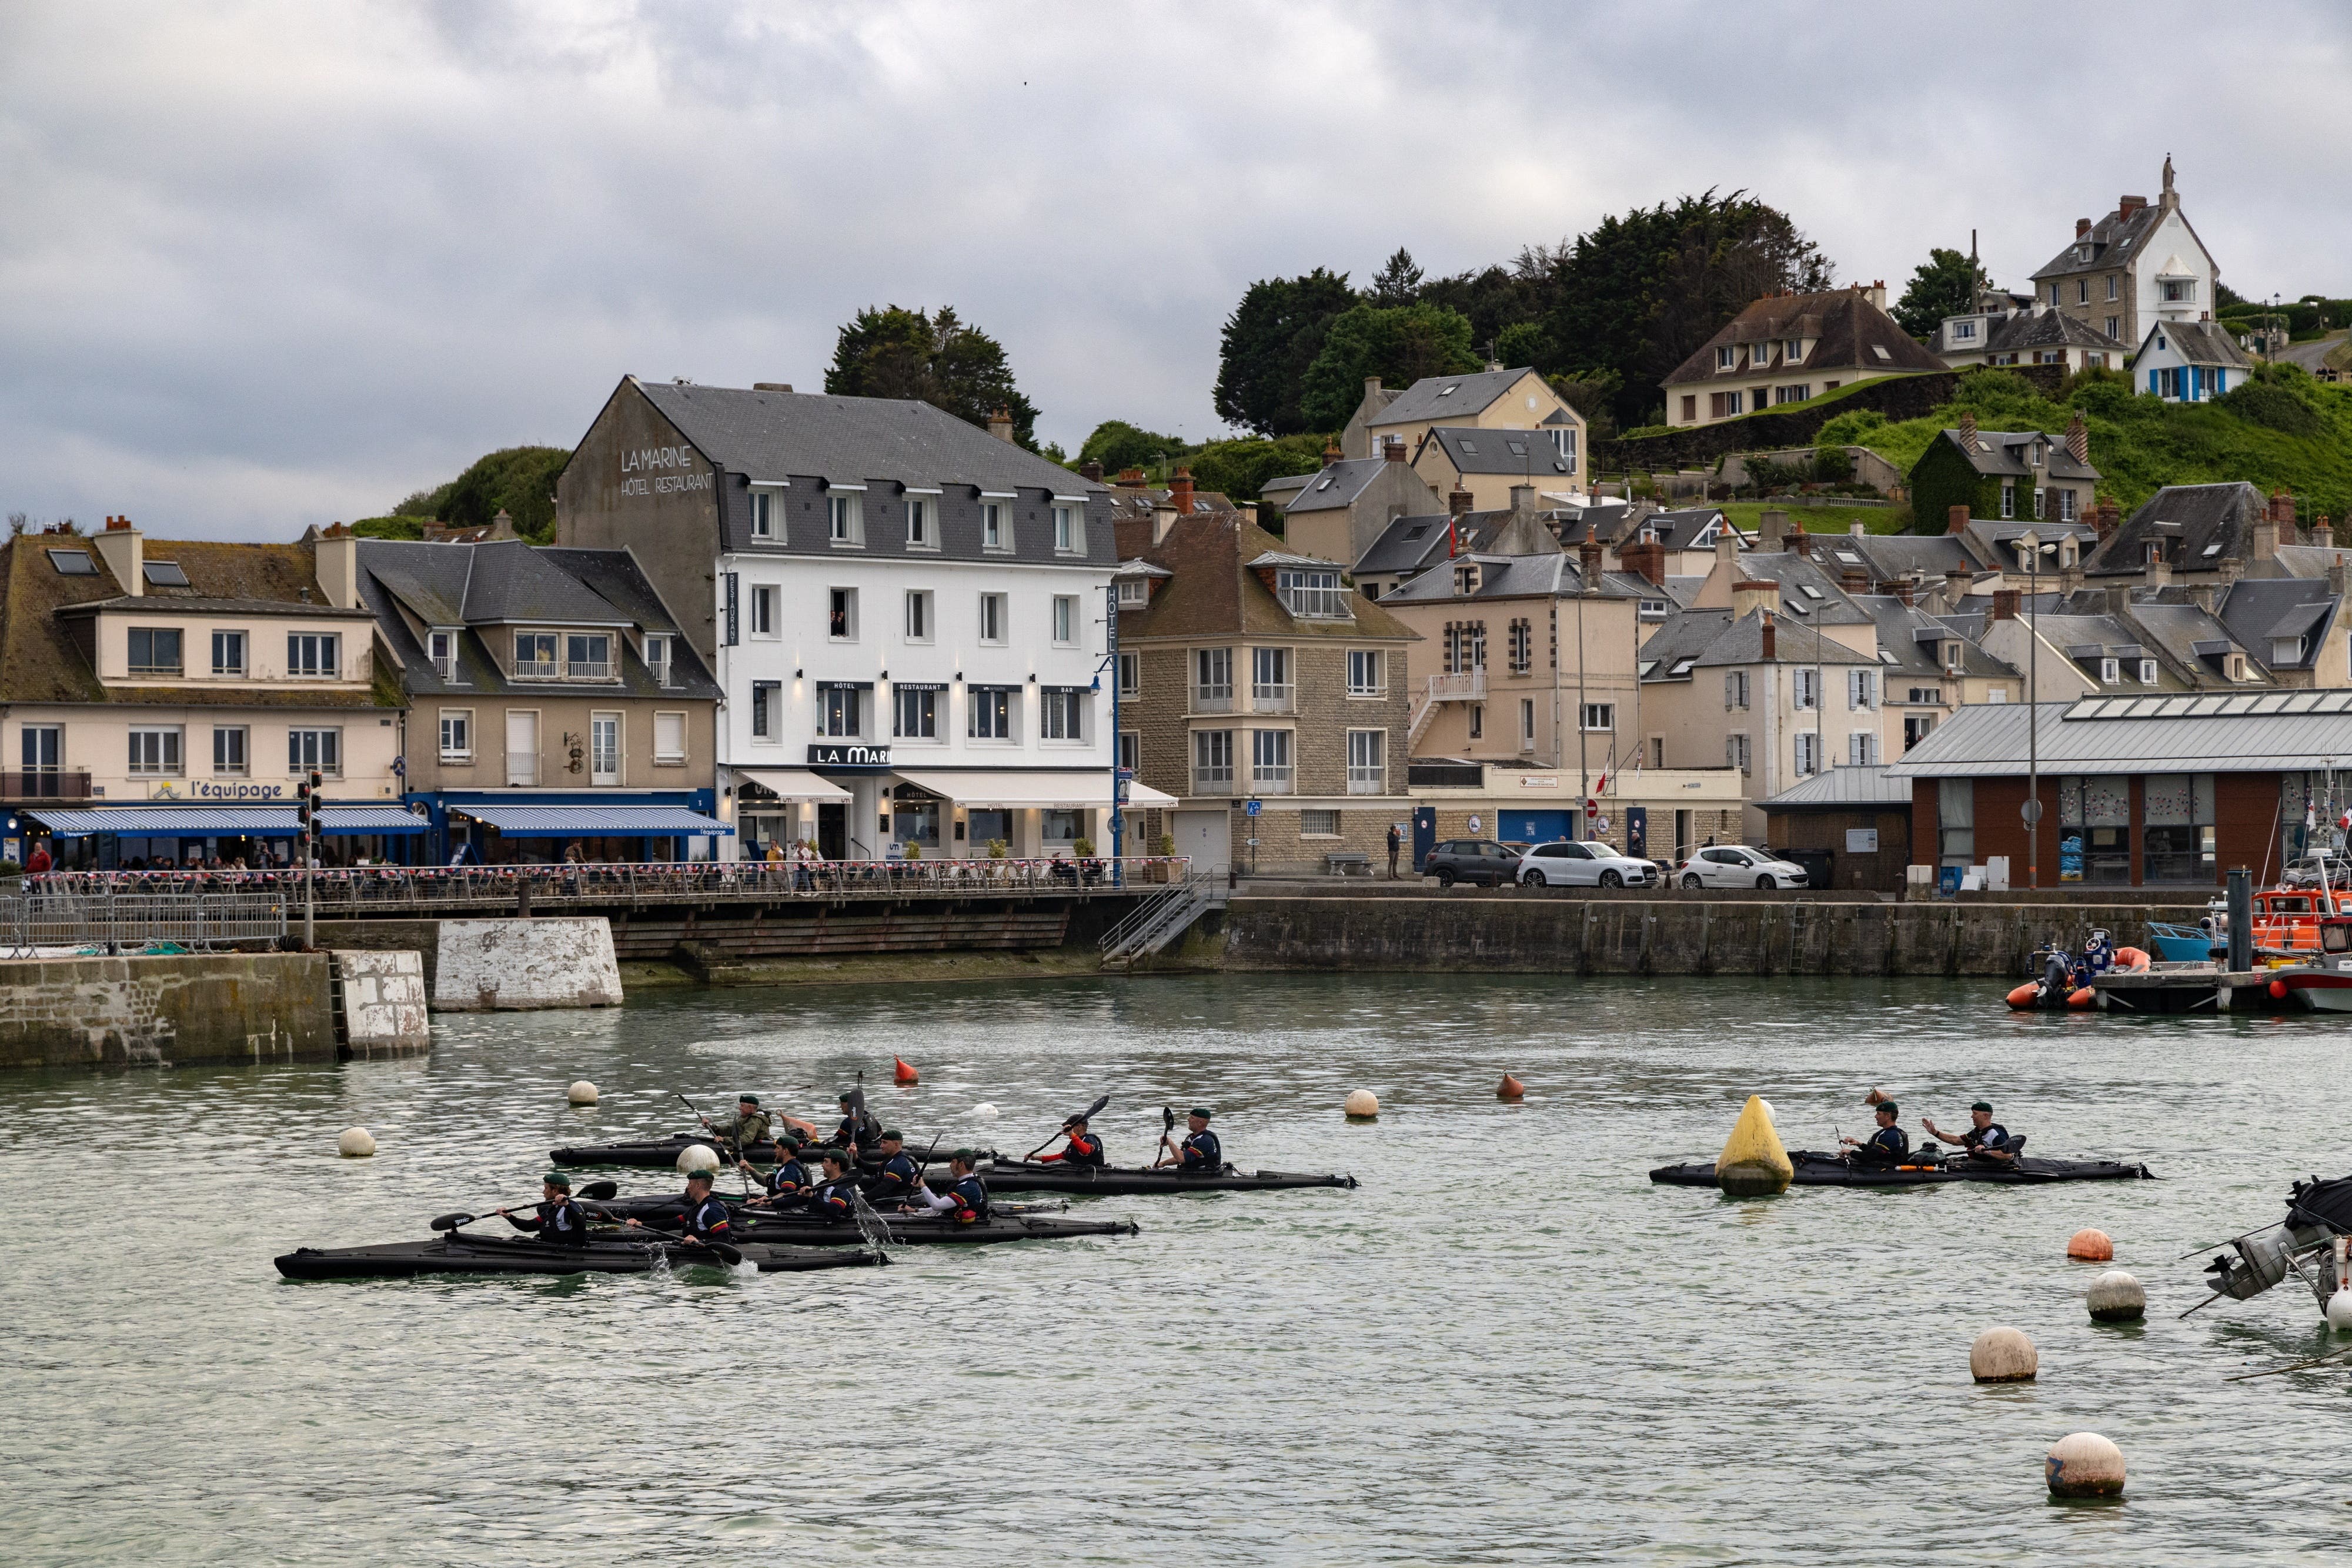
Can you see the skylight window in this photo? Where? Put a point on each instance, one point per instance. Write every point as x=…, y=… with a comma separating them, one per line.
x=72, y=563
x=1810, y=590
x=1449, y=391
x=2213, y=548
x=1415, y=532
x=1886, y=656
x=1683, y=666
x=1798, y=607
x=1470, y=448
x=1848, y=557
x=1325, y=486
x=165, y=574
x=1518, y=448
x=1880, y=350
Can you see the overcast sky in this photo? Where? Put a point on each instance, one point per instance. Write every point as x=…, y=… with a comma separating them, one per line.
x=266, y=265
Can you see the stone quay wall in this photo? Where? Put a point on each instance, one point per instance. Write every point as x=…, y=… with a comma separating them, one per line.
x=165, y=1010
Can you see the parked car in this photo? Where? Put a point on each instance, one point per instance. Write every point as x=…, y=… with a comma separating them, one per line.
x=1736, y=865
x=1588, y=863
x=1481, y=860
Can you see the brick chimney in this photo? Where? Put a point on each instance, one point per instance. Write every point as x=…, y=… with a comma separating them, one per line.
x=1800, y=543
x=1130, y=478
x=2082, y=228
x=1394, y=448
x=1772, y=532
x=1854, y=580
x=1770, y=635
x=2078, y=439
x=1588, y=564
x=1180, y=491
x=1090, y=471
x=2282, y=514
x=2004, y=603
x=1458, y=501
x=2107, y=516
x=124, y=550
x=1331, y=452
x=2127, y=206
x=1968, y=429
x=1955, y=520
x=999, y=425
x=1648, y=559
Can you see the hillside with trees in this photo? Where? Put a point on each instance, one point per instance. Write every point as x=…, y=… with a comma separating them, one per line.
x=517, y=480
x=901, y=353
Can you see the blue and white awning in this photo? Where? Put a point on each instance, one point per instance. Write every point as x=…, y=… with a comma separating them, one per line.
x=616, y=821
x=221, y=821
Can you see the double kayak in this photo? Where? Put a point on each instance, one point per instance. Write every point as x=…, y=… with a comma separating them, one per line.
x=1816, y=1168
x=661, y=1154
x=756, y=1226
x=1114, y=1181
x=457, y=1253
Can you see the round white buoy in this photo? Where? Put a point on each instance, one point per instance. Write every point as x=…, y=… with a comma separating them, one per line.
x=983, y=1110
x=697, y=1157
x=1362, y=1106
x=2116, y=1297
x=2083, y=1464
x=356, y=1143
x=581, y=1094
x=2340, y=1311
x=2004, y=1355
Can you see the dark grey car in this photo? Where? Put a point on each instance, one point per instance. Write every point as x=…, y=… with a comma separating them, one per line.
x=1470, y=859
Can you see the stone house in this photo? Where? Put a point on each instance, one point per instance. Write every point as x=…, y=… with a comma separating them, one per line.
x=1492, y=399
x=2006, y=474
x=2034, y=335
x=1262, y=695
x=1788, y=348
x=2139, y=266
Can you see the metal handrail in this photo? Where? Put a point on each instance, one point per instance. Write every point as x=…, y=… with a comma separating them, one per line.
x=44, y=918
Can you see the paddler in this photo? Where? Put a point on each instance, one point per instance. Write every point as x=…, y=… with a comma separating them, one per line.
x=835, y=1198
x=900, y=1176
x=1083, y=1149
x=1888, y=1145
x=1986, y=1138
x=788, y=1184
x=859, y=1130
x=968, y=1193
x=1201, y=1154
x=749, y=1125
x=560, y=1221
x=706, y=1216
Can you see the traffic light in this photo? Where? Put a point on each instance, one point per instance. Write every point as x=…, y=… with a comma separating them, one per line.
x=305, y=810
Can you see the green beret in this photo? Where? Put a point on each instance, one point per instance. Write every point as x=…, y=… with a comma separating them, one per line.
x=1889, y=1108
x=1201, y=1111
x=893, y=1134
x=965, y=1155
x=698, y=1176
x=557, y=1179
x=845, y=1096
x=789, y=1141
x=1984, y=1105
x=747, y=1099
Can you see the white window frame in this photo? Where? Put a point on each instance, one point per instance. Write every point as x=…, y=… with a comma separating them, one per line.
x=2110, y=672
x=1367, y=673
x=766, y=601
x=535, y=668
x=767, y=713
x=165, y=757
x=460, y=719
x=1134, y=591
x=995, y=616
x=1367, y=758
x=1792, y=351
x=660, y=651
x=1862, y=749
x=1274, y=766
x=1065, y=621
x=321, y=652
x=920, y=626
x=1808, y=753
x=522, y=768
x=763, y=513
x=321, y=739
x=1069, y=528
x=841, y=712
x=1003, y=708
x=922, y=532
x=241, y=765
x=441, y=651
x=1726, y=357
x=242, y=664
x=1600, y=718
x=996, y=525
x=679, y=719
x=1804, y=690
x=1062, y=714
x=845, y=518
x=915, y=713
x=588, y=657
x=1735, y=752
x=601, y=723
x=1212, y=761
x=1527, y=723
x=1862, y=691
x=1130, y=673
x=2147, y=671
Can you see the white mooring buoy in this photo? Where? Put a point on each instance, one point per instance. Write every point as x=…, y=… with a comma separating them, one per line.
x=356, y=1143
x=697, y=1157
x=1362, y=1106
x=2004, y=1355
x=581, y=1093
x=2083, y=1464
x=2116, y=1297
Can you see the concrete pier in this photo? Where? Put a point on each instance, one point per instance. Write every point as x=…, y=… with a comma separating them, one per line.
x=165, y=1010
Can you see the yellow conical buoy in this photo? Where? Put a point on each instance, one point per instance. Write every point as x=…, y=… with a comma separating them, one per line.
x=1753, y=1164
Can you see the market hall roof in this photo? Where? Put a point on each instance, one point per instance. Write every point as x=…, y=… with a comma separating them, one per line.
x=2207, y=732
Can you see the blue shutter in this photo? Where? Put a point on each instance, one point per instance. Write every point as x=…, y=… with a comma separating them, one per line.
x=2220, y=382
x=2152, y=387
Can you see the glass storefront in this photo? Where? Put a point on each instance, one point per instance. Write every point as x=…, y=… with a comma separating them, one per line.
x=2093, y=815
x=2177, y=817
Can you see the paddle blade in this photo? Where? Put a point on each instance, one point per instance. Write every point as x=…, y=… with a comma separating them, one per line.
x=601, y=1191
x=451, y=1221
x=1091, y=1111
x=1167, y=1118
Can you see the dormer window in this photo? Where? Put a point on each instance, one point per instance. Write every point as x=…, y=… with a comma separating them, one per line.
x=442, y=646
x=1759, y=355
x=2082, y=253
x=2110, y=672
x=657, y=659
x=2147, y=671
x=1726, y=357
x=1964, y=331
x=1793, y=350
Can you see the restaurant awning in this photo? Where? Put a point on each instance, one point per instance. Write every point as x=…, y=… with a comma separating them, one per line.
x=223, y=821
x=1075, y=787
x=609, y=821
x=793, y=784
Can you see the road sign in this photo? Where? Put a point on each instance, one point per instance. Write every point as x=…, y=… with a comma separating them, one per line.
x=1592, y=808
x=1251, y=807
x=2031, y=810
x=1602, y=824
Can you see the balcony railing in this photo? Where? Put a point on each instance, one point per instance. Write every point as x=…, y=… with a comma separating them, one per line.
x=1212, y=780
x=1466, y=685
x=1271, y=780
x=1319, y=603
x=44, y=784
x=1212, y=699
x=1274, y=699
x=1368, y=780
x=537, y=669
x=589, y=669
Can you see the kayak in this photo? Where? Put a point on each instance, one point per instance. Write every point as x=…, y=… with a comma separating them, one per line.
x=465, y=1254
x=662, y=1152
x=1113, y=1181
x=1815, y=1169
x=808, y=1230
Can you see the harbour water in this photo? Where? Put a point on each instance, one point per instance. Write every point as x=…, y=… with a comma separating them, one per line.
x=1506, y=1346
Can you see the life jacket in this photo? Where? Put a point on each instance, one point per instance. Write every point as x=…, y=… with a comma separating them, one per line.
x=1995, y=1136
x=971, y=1196
x=1203, y=1155
x=836, y=1201
x=1084, y=1149
x=564, y=1223
x=1886, y=1146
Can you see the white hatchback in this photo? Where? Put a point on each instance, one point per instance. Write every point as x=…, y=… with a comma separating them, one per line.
x=1736, y=865
x=1589, y=863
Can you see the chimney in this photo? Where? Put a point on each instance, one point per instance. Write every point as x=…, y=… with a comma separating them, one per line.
x=1331, y=453
x=1180, y=491
x=1371, y=390
x=1648, y=559
x=1858, y=529
x=2004, y=605
x=1904, y=588
x=771, y=386
x=1955, y=520
x=2336, y=577
x=2119, y=598
x=1091, y=471
x=1394, y=448
x=1753, y=593
x=1770, y=636
x=1799, y=542
x=2229, y=568
x=1968, y=429
x=1957, y=583
x=1458, y=501
x=1772, y=532
x=1588, y=565
x=1854, y=580
x=999, y=425
x=1523, y=500
x=2107, y=516
x=501, y=527
x=336, y=563
x=122, y=547
x=2070, y=577
x=2282, y=514
x=2127, y=206
x=1726, y=553
x=2082, y=229
x=1130, y=478
x=2201, y=594
x=2078, y=439
x=2159, y=573
x=2266, y=537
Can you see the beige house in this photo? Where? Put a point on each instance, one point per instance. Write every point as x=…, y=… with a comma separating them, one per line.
x=1494, y=399
x=1487, y=463
x=1788, y=348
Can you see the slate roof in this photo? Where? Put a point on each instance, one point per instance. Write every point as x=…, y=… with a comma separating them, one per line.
x=1410, y=543
x=1843, y=786
x=2204, y=517
x=1913, y=637
x=1337, y=486
x=2047, y=330
x=314, y=608
x=1443, y=397
x=1603, y=520
x=2115, y=241
x=2198, y=343
x=2002, y=454
x=1551, y=575
x=1932, y=556
x=1827, y=603
x=1475, y=451
x=1214, y=593
x=1848, y=333
x=2206, y=732
x=1712, y=638
x=2306, y=560
x=2256, y=610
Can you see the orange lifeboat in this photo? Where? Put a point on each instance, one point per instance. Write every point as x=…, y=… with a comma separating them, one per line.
x=2023, y=998
x=2131, y=960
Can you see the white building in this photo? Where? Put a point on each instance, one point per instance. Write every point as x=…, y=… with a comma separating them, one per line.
x=2139, y=266
x=907, y=613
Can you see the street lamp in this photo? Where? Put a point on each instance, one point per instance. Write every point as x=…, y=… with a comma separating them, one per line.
x=2031, y=543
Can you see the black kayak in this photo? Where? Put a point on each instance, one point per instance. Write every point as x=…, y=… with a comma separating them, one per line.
x=662, y=1152
x=1816, y=1168
x=464, y=1254
x=1114, y=1181
x=755, y=1225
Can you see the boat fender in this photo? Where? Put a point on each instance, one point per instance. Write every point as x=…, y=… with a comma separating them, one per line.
x=2131, y=960
x=2084, y=997
x=2025, y=996
x=2278, y=990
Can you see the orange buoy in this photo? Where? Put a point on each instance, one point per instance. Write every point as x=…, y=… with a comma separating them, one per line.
x=2278, y=990
x=2023, y=998
x=2132, y=960
x=1509, y=1089
x=904, y=1073
x=2088, y=1246
x=2084, y=997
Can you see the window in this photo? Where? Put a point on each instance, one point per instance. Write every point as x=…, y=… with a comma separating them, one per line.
x=1477, y=721
x=2069, y=505
x=1270, y=677
x=766, y=696
x=995, y=533
x=1066, y=620
x=1313, y=594
x=522, y=747
x=1070, y=530
x=155, y=749
x=845, y=521
x=1726, y=357
x=1564, y=441
x=456, y=734
x=2180, y=292
x=1723, y=404
x=915, y=713
x=1522, y=641
x=42, y=748
x=918, y=615
x=2008, y=498
x=2111, y=291
x=603, y=748
x=1926, y=695
x=228, y=751
x=669, y=737
x=1809, y=753
x=1963, y=331
x=319, y=748
x=763, y=515
x=1130, y=674
x=1807, y=687
x=588, y=657
x=2147, y=671
x=1270, y=761
x=2053, y=293
x=838, y=711
x=990, y=712
x=2081, y=291
x=841, y=614
x=1600, y=716
x=1134, y=591
x=72, y=563
x=1735, y=688
x=1797, y=394
x=1368, y=761
x=1062, y=712
x=2114, y=327
x=1130, y=750
x=2038, y=493
x=1861, y=689
x=1690, y=407
x=1792, y=351
x=1862, y=749
x=1213, y=679
x=1527, y=723
x=991, y=618
x=441, y=647
x=1213, y=760
x=228, y=654
x=2177, y=838
x=314, y=656
x=154, y=651
x=1318, y=824
x=1734, y=751
x=1916, y=728
x=2109, y=671
x=534, y=654
x=657, y=659
x=919, y=523
x=1367, y=673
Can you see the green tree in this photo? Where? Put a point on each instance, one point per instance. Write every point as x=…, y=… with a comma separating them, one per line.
x=1944, y=285
x=895, y=352
x=517, y=480
x=1117, y=445
x=1239, y=469
x=1397, y=282
x=1268, y=342
x=1399, y=345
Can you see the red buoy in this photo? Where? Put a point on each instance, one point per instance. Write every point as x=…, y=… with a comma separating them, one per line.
x=904, y=1073
x=2278, y=990
x=1510, y=1088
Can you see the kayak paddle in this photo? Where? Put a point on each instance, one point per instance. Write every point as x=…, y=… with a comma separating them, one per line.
x=594, y=1192
x=726, y=1254
x=1088, y=1115
x=1167, y=1125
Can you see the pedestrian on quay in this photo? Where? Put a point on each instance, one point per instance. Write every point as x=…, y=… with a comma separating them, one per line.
x=1396, y=843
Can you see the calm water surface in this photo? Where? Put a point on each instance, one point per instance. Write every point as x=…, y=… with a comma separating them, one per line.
x=1508, y=1346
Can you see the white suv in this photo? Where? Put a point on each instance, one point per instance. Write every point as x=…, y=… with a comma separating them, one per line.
x=1588, y=863
x=1736, y=865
